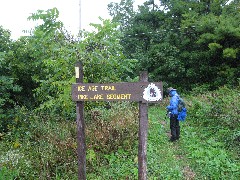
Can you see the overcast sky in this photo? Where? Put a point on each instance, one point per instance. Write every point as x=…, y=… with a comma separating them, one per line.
x=14, y=13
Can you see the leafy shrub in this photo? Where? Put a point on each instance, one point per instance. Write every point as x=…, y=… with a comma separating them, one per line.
x=40, y=147
x=225, y=107
x=208, y=156
x=57, y=51
x=218, y=113
x=114, y=128
x=7, y=102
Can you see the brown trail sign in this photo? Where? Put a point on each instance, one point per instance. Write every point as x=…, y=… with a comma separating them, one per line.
x=116, y=92
x=143, y=91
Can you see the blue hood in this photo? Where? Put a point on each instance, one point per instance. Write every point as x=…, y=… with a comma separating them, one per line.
x=173, y=106
x=172, y=93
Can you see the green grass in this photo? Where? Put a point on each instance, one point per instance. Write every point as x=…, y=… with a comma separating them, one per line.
x=209, y=158
x=49, y=150
x=192, y=156
x=162, y=163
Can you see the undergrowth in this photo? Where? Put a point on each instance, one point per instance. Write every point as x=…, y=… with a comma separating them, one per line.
x=37, y=146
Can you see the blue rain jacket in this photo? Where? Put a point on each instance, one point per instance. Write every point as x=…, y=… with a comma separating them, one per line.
x=173, y=106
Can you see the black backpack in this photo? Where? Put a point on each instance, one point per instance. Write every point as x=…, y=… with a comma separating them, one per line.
x=181, y=104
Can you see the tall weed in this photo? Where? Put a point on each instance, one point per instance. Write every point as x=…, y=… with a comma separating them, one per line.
x=212, y=132
x=218, y=111
x=45, y=148
x=110, y=129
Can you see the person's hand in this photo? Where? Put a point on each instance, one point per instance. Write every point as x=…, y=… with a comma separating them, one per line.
x=169, y=114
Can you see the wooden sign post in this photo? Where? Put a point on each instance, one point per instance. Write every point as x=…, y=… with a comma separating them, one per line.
x=81, y=143
x=142, y=134
x=143, y=92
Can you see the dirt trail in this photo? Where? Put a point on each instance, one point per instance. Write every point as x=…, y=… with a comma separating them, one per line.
x=188, y=173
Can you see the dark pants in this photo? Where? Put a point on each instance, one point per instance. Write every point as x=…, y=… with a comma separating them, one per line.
x=174, y=126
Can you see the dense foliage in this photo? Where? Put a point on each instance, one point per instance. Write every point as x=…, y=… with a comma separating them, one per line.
x=221, y=108
x=207, y=149
x=184, y=43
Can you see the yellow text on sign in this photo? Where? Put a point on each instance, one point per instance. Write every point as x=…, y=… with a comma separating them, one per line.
x=108, y=88
x=97, y=96
x=92, y=88
x=82, y=97
x=95, y=88
x=118, y=96
x=81, y=88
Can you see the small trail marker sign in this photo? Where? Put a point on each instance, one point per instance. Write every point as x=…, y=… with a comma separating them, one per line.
x=143, y=91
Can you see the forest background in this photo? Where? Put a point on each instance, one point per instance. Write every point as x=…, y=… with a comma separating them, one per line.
x=191, y=45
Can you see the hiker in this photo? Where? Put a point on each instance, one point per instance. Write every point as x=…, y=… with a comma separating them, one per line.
x=172, y=110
